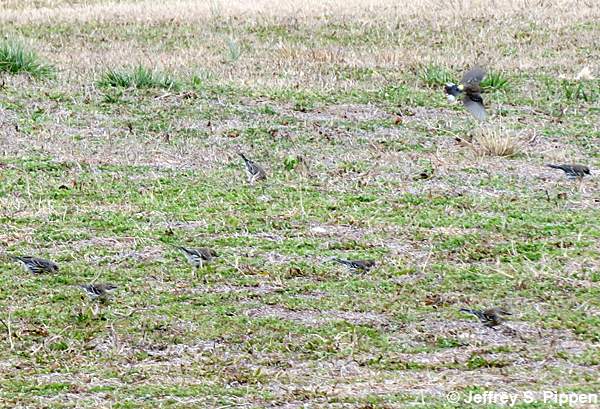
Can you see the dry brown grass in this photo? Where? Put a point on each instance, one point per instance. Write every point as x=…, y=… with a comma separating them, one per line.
x=496, y=141
x=390, y=30
x=82, y=10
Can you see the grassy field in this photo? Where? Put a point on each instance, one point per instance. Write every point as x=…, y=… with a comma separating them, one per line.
x=119, y=141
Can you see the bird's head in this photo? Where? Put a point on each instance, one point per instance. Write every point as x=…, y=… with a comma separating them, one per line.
x=452, y=91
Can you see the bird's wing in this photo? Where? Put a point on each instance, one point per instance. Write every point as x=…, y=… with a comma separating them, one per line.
x=91, y=289
x=205, y=253
x=475, y=108
x=473, y=76
x=256, y=168
x=45, y=264
x=37, y=264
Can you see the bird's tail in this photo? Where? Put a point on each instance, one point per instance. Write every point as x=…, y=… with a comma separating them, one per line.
x=477, y=313
x=243, y=157
x=554, y=166
x=339, y=260
x=183, y=249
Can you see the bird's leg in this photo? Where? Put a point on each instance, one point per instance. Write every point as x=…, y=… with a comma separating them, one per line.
x=82, y=307
x=581, y=188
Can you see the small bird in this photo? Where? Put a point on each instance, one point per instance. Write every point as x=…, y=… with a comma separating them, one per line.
x=357, y=265
x=98, y=291
x=471, y=92
x=490, y=318
x=197, y=257
x=572, y=171
x=37, y=265
x=255, y=172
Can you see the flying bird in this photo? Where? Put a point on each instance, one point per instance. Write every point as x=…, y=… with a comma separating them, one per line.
x=37, y=265
x=469, y=91
x=254, y=171
x=572, y=171
x=492, y=317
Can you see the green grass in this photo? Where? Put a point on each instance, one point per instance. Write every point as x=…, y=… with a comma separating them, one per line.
x=234, y=51
x=15, y=58
x=495, y=81
x=139, y=77
x=436, y=76
x=107, y=180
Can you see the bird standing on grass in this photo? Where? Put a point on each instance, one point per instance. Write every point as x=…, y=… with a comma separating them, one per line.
x=98, y=291
x=470, y=90
x=492, y=317
x=357, y=265
x=572, y=171
x=255, y=172
x=197, y=257
x=37, y=265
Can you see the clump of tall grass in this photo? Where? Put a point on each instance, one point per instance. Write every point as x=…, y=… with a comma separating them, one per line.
x=234, y=51
x=494, y=81
x=491, y=141
x=434, y=75
x=139, y=77
x=15, y=58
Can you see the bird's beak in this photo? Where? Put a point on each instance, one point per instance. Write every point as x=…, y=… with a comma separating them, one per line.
x=460, y=87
